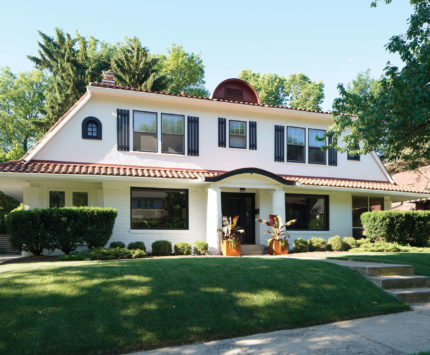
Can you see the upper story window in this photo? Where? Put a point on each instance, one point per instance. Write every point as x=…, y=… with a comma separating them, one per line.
x=91, y=128
x=296, y=144
x=237, y=137
x=316, y=155
x=145, y=131
x=172, y=133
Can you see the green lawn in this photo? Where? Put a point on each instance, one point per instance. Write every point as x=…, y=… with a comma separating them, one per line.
x=119, y=306
x=421, y=261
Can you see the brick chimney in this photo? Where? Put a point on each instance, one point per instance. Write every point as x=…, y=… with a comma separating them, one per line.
x=108, y=78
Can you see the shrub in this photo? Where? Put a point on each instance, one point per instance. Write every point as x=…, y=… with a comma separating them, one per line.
x=137, y=245
x=117, y=244
x=403, y=227
x=105, y=254
x=349, y=243
x=59, y=228
x=7, y=204
x=335, y=243
x=366, y=245
x=201, y=247
x=300, y=245
x=161, y=247
x=317, y=244
x=182, y=248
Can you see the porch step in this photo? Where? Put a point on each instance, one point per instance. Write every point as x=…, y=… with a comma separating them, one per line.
x=375, y=269
x=252, y=249
x=412, y=295
x=5, y=246
x=397, y=281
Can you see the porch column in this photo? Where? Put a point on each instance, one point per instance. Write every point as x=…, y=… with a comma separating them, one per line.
x=213, y=220
x=278, y=203
x=30, y=198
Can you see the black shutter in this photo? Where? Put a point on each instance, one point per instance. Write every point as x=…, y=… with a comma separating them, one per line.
x=122, y=129
x=332, y=154
x=252, y=135
x=279, y=143
x=222, y=132
x=193, y=135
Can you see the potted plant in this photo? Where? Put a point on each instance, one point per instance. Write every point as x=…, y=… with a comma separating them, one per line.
x=231, y=236
x=278, y=242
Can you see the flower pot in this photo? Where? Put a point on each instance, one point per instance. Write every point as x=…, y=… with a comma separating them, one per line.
x=277, y=248
x=228, y=250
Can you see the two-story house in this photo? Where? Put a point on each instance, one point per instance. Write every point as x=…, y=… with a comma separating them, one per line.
x=173, y=165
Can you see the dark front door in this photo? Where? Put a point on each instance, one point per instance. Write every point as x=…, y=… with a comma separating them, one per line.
x=242, y=205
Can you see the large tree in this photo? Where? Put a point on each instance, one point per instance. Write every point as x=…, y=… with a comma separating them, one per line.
x=184, y=70
x=135, y=67
x=296, y=91
x=395, y=119
x=22, y=99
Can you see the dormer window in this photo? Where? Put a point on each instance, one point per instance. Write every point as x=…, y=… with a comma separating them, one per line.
x=91, y=128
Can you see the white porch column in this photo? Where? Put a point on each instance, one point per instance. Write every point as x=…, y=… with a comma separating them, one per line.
x=278, y=203
x=213, y=220
x=31, y=197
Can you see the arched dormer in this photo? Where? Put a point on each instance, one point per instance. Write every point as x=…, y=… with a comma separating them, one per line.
x=91, y=128
x=236, y=90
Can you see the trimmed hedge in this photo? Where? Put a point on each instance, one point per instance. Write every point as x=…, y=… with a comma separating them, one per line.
x=349, y=243
x=137, y=245
x=335, y=243
x=201, y=247
x=403, y=227
x=118, y=244
x=7, y=204
x=60, y=228
x=161, y=248
x=317, y=244
x=300, y=245
x=182, y=248
x=105, y=254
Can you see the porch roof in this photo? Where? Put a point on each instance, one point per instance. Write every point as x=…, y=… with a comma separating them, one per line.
x=96, y=169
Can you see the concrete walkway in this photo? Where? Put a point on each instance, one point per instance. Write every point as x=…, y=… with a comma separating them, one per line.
x=5, y=258
x=400, y=333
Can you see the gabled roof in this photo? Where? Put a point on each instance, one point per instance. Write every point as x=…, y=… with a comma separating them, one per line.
x=95, y=169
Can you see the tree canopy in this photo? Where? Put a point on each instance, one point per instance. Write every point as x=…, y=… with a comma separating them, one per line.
x=296, y=91
x=395, y=118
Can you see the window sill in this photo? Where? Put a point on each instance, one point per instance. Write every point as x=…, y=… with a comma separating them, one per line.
x=162, y=154
x=149, y=231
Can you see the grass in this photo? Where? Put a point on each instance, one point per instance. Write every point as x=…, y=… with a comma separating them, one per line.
x=119, y=306
x=421, y=261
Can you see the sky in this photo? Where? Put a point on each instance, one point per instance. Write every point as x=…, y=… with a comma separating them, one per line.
x=329, y=40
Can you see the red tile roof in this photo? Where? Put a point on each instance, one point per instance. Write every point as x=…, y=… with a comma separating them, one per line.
x=119, y=87
x=71, y=168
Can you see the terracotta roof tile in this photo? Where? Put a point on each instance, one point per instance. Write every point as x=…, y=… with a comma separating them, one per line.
x=71, y=168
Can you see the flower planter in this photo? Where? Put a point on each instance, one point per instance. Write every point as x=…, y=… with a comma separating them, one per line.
x=228, y=250
x=277, y=248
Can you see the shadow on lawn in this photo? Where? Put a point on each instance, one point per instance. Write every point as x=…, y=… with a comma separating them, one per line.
x=128, y=305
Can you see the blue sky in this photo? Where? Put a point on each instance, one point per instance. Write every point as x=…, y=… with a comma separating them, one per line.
x=328, y=40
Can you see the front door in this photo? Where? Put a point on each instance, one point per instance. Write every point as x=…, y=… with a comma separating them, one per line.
x=242, y=205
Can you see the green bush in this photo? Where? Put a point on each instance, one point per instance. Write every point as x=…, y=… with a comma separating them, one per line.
x=137, y=245
x=349, y=243
x=7, y=204
x=117, y=244
x=403, y=227
x=105, y=254
x=300, y=245
x=201, y=247
x=182, y=248
x=59, y=228
x=335, y=243
x=161, y=247
x=317, y=244
x=366, y=245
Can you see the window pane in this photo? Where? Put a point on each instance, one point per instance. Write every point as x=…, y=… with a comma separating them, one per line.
x=309, y=211
x=296, y=153
x=159, y=209
x=237, y=141
x=317, y=156
x=296, y=136
x=237, y=128
x=237, y=134
x=359, y=206
x=146, y=142
x=80, y=199
x=92, y=129
x=57, y=199
x=172, y=124
x=313, y=135
x=145, y=122
x=172, y=143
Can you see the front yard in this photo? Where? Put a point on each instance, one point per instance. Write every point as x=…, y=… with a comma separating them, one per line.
x=119, y=306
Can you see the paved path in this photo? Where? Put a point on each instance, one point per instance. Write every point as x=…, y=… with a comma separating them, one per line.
x=5, y=258
x=400, y=333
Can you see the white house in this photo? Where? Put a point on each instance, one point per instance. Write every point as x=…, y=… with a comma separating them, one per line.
x=172, y=165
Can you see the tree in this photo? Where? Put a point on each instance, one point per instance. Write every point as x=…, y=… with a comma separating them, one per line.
x=22, y=99
x=363, y=84
x=395, y=120
x=296, y=91
x=72, y=64
x=185, y=71
x=135, y=67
